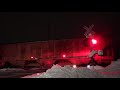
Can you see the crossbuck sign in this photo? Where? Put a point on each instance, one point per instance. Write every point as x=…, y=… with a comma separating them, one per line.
x=89, y=32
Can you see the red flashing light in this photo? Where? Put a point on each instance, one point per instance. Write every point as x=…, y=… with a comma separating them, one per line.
x=32, y=57
x=94, y=41
x=63, y=55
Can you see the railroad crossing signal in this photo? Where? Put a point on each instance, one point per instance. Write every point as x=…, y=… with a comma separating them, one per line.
x=94, y=41
x=92, y=53
x=89, y=33
x=100, y=52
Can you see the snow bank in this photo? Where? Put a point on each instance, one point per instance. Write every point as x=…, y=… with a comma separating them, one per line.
x=69, y=72
x=56, y=72
x=111, y=71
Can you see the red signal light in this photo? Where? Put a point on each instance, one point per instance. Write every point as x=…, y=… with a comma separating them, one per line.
x=63, y=55
x=94, y=41
x=32, y=57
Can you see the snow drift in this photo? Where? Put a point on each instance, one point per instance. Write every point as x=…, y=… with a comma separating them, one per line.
x=111, y=71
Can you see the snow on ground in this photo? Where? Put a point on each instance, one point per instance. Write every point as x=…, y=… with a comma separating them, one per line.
x=33, y=75
x=11, y=70
x=67, y=72
x=111, y=71
x=19, y=72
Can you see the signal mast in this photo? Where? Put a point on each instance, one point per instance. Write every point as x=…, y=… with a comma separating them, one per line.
x=90, y=34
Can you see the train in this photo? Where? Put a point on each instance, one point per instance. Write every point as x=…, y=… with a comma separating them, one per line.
x=46, y=53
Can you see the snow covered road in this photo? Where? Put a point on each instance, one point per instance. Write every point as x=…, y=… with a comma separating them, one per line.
x=18, y=73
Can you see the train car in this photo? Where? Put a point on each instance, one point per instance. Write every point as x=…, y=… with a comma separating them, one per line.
x=47, y=53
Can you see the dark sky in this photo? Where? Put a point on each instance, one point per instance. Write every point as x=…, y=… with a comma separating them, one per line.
x=37, y=26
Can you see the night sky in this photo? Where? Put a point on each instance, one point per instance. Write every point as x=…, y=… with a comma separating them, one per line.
x=38, y=26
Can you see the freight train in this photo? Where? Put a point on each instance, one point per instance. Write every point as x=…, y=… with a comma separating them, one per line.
x=47, y=53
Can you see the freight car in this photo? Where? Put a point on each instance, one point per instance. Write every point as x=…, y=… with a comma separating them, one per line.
x=47, y=53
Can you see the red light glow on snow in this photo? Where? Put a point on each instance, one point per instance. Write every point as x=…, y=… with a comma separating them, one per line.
x=74, y=66
x=38, y=73
x=94, y=41
x=88, y=66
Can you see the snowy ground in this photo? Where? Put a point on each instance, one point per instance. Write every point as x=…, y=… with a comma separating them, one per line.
x=111, y=71
x=18, y=72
